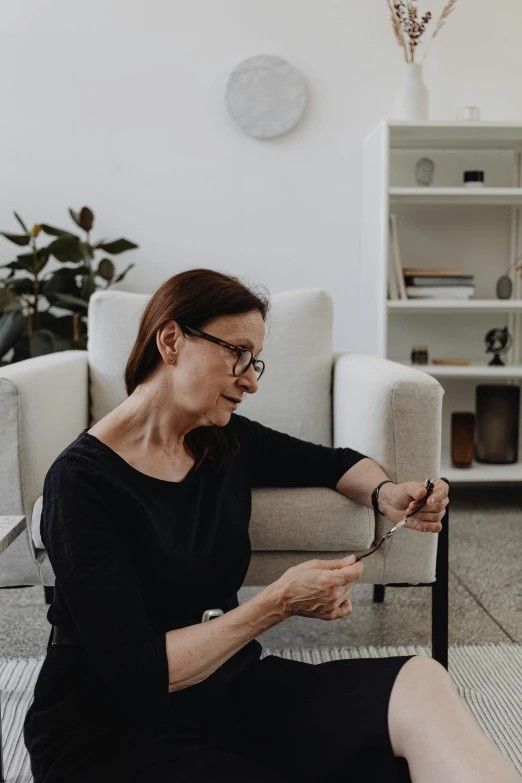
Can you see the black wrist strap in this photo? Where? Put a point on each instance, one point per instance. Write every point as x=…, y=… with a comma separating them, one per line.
x=375, y=495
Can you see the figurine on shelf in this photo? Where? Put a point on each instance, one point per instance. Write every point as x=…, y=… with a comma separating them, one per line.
x=424, y=171
x=497, y=341
x=505, y=284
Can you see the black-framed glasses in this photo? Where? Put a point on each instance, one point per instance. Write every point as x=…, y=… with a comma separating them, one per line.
x=244, y=357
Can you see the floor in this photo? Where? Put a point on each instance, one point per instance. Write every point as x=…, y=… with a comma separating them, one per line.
x=485, y=595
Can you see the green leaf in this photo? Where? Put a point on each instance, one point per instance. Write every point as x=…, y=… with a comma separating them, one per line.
x=106, y=269
x=17, y=216
x=18, y=239
x=86, y=218
x=12, y=265
x=83, y=270
x=66, y=249
x=120, y=277
x=46, y=341
x=76, y=217
x=34, y=262
x=22, y=285
x=62, y=281
x=75, y=303
x=117, y=246
x=42, y=342
x=11, y=326
x=57, y=232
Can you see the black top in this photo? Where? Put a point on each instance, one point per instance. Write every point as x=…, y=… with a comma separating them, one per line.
x=133, y=555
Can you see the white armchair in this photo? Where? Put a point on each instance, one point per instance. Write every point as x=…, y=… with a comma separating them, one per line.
x=384, y=409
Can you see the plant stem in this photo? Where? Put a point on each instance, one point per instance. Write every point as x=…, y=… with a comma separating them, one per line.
x=36, y=285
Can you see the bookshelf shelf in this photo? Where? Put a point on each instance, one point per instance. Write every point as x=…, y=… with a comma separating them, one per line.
x=455, y=305
x=466, y=135
x=464, y=196
x=476, y=231
x=479, y=472
x=469, y=370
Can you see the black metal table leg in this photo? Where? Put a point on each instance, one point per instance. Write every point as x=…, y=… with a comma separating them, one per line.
x=440, y=595
x=378, y=594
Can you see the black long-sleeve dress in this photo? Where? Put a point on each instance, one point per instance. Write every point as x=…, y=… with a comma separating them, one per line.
x=135, y=556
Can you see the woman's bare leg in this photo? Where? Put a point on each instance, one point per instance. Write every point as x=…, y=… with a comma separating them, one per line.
x=433, y=728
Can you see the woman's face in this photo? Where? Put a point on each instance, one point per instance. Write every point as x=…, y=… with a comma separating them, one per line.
x=201, y=372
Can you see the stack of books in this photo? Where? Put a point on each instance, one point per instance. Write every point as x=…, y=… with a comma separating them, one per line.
x=438, y=284
x=410, y=283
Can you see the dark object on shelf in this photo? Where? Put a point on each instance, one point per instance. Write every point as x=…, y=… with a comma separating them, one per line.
x=497, y=422
x=505, y=283
x=462, y=438
x=419, y=354
x=452, y=362
x=497, y=341
x=504, y=287
x=474, y=178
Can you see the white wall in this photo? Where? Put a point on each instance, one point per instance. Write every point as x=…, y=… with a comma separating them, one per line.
x=118, y=104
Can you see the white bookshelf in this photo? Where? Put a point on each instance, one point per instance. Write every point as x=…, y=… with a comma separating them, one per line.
x=445, y=225
x=456, y=306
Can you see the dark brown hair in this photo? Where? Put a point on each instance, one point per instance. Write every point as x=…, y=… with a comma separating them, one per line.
x=192, y=298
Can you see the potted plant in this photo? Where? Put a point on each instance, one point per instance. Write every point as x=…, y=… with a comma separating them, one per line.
x=31, y=331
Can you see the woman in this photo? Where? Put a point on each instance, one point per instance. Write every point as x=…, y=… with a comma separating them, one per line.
x=145, y=520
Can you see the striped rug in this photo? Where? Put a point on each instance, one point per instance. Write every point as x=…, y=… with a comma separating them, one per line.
x=488, y=678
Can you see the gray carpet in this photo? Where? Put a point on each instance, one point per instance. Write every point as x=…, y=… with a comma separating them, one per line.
x=488, y=678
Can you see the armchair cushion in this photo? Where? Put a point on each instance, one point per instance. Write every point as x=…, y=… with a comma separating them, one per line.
x=292, y=519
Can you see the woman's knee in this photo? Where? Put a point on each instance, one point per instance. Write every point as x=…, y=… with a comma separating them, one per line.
x=416, y=682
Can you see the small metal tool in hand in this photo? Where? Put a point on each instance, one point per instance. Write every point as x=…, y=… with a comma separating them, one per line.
x=429, y=487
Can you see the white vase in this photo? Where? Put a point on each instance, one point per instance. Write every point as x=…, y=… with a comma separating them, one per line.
x=411, y=98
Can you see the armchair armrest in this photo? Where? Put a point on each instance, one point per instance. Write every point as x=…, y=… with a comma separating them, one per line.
x=393, y=414
x=43, y=407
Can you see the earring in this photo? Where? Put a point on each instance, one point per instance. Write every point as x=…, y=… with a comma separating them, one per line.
x=170, y=359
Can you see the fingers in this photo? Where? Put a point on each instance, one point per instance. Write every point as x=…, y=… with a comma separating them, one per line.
x=439, y=493
x=434, y=508
x=350, y=573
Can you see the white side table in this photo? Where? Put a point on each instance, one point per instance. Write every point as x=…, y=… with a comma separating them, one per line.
x=10, y=529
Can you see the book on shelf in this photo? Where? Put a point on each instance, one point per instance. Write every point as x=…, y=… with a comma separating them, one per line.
x=416, y=283
x=440, y=292
x=408, y=270
x=462, y=280
x=396, y=284
x=393, y=290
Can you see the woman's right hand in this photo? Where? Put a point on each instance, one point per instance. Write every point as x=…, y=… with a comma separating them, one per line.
x=319, y=588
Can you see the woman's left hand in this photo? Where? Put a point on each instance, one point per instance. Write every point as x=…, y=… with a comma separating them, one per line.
x=404, y=498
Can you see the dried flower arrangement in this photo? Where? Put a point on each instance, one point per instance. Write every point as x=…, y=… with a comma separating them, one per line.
x=407, y=27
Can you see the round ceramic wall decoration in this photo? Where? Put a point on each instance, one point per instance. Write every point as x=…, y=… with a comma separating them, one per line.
x=266, y=96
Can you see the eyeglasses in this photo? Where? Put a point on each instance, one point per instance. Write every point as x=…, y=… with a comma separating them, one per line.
x=244, y=357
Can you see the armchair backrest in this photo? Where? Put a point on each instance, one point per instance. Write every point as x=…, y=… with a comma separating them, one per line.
x=294, y=394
